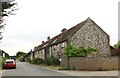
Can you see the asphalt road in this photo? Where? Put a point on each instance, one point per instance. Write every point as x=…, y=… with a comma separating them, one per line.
x=25, y=70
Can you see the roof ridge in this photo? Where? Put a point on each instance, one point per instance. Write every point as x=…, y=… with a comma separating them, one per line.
x=70, y=31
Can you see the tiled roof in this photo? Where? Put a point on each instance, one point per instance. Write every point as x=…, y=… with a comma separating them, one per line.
x=74, y=29
x=41, y=46
x=61, y=37
x=47, y=43
x=64, y=35
x=27, y=54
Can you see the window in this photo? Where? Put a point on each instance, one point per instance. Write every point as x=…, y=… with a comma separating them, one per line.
x=62, y=45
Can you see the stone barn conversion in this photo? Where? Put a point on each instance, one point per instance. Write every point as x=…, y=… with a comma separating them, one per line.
x=85, y=34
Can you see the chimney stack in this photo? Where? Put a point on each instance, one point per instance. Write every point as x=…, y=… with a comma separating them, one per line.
x=48, y=38
x=42, y=42
x=63, y=30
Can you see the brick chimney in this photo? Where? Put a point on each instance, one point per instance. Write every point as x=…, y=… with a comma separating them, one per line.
x=42, y=42
x=63, y=30
x=48, y=38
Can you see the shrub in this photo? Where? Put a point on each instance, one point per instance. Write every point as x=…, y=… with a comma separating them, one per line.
x=117, y=45
x=52, y=61
x=72, y=51
x=29, y=61
x=84, y=51
x=37, y=61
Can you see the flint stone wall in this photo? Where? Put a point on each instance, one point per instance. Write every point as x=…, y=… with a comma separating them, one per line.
x=91, y=35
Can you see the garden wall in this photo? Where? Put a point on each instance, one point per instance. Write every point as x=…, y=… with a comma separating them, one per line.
x=90, y=63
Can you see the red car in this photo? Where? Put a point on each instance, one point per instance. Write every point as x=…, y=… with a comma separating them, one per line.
x=10, y=63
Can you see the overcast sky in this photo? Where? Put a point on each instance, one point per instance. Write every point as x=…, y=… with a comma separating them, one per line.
x=35, y=20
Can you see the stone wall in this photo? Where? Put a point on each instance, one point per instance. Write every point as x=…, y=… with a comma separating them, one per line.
x=40, y=54
x=91, y=63
x=91, y=35
x=58, y=49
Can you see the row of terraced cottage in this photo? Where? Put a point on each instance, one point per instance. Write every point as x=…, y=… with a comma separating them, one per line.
x=85, y=34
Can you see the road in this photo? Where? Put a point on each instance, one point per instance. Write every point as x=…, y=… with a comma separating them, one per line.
x=26, y=70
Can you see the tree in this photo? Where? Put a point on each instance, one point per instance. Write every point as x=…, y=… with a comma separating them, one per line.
x=3, y=52
x=3, y=58
x=6, y=9
x=19, y=54
x=117, y=45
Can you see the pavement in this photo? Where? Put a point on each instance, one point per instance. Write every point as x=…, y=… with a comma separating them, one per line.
x=83, y=73
x=86, y=73
x=91, y=73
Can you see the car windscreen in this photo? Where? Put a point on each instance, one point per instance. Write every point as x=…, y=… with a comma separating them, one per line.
x=9, y=62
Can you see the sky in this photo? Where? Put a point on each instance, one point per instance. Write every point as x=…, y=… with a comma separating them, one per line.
x=6, y=0
x=38, y=19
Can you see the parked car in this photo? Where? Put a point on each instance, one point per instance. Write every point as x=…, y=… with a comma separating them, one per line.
x=10, y=63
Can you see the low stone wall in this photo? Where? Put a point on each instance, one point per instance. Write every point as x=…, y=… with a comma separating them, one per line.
x=90, y=63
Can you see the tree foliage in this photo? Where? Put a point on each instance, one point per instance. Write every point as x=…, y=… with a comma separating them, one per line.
x=117, y=45
x=19, y=54
x=6, y=54
x=6, y=9
x=72, y=51
x=2, y=59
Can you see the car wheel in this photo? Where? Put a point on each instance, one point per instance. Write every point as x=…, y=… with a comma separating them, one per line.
x=14, y=67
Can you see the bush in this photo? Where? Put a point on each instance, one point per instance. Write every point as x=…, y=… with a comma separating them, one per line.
x=52, y=61
x=117, y=45
x=84, y=51
x=29, y=61
x=72, y=51
x=37, y=61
